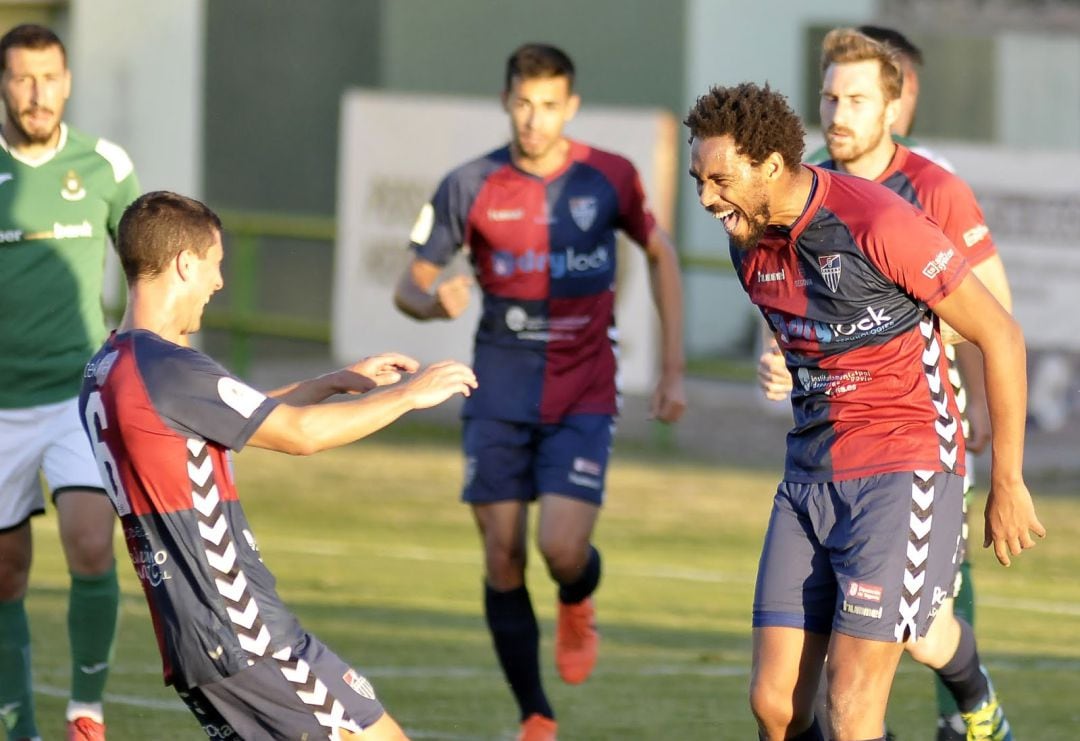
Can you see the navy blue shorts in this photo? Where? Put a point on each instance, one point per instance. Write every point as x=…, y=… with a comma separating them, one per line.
x=873, y=558
x=518, y=461
x=302, y=692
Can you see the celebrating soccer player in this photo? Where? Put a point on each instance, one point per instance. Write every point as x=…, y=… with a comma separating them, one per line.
x=162, y=418
x=861, y=102
x=865, y=531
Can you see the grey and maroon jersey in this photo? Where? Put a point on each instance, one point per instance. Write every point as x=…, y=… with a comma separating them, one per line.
x=161, y=419
x=848, y=289
x=543, y=249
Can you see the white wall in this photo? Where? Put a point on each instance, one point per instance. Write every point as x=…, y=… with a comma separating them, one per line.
x=1038, y=91
x=137, y=72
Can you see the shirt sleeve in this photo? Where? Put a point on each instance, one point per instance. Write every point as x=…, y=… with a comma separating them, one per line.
x=439, y=230
x=909, y=249
x=198, y=398
x=953, y=206
x=635, y=218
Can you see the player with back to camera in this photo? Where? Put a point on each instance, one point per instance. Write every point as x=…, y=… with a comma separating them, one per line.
x=865, y=530
x=861, y=100
x=539, y=217
x=162, y=418
x=61, y=196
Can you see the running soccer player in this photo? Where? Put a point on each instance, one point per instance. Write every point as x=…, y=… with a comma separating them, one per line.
x=860, y=99
x=161, y=418
x=61, y=196
x=539, y=217
x=864, y=535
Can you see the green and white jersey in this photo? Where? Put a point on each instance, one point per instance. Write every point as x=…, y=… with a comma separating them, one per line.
x=56, y=213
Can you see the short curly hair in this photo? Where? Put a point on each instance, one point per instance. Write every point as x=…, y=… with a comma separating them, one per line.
x=758, y=119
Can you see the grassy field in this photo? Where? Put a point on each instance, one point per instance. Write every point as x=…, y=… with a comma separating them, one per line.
x=375, y=554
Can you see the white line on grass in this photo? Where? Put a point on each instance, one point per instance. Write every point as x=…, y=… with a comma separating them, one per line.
x=1041, y=606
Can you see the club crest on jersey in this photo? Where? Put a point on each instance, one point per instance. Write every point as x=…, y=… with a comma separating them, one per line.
x=583, y=211
x=359, y=684
x=830, y=270
x=71, y=188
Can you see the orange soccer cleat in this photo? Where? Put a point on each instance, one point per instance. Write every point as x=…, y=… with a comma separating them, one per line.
x=538, y=728
x=85, y=729
x=576, y=641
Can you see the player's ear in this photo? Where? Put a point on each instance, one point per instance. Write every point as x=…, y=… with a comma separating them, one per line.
x=892, y=112
x=572, y=105
x=773, y=166
x=183, y=262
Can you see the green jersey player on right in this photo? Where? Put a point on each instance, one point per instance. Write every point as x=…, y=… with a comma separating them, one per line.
x=61, y=196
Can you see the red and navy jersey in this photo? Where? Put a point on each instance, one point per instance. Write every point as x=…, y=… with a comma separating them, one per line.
x=543, y=249
x=943, y=196
x=849, y=289
x=161, y=419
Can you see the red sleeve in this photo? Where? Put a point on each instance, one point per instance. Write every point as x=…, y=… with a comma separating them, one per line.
x=951, y=203
x=909, y=249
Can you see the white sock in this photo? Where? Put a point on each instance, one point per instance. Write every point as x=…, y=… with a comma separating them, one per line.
x=91, y=710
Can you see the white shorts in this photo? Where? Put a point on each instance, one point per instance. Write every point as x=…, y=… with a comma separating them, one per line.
x=46, y=439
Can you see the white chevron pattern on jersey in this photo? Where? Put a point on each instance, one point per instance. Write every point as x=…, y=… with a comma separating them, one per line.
x=946, y=425
x=959, y=392
x=918, y=552
x=232, y=585
x=328, y=711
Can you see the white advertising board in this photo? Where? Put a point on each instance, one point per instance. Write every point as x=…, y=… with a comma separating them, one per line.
x=395, y=148
x=1032, y=206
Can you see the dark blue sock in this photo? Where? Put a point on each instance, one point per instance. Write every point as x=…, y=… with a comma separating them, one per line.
x=962, y=676
x=516, y=636
x=571, y=594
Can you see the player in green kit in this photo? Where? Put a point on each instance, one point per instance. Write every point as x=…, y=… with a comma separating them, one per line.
x=61, y=197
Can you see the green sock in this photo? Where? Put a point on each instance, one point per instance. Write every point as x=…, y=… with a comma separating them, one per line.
x=16, y=687
x=93, y=608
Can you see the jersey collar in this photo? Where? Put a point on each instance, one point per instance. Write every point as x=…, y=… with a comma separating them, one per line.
x=41, y=160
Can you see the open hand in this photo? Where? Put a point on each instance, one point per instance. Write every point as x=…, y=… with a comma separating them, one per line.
x=438, y=382
x=378, y=370
x=1010, y=520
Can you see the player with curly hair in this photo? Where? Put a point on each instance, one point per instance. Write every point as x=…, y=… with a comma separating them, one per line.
x=863, y=539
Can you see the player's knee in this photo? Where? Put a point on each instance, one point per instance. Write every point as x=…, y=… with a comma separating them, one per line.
x=15, y=558
x=13, y=581
x=773, y=706
x=505, y=565
x=89, y=553
x=564, y=559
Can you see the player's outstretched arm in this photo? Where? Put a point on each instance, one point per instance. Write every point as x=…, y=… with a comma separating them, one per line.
x=303, y=430
x=421, y=295
x=669, y=399
x=358, y=378
x=1010, y=517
